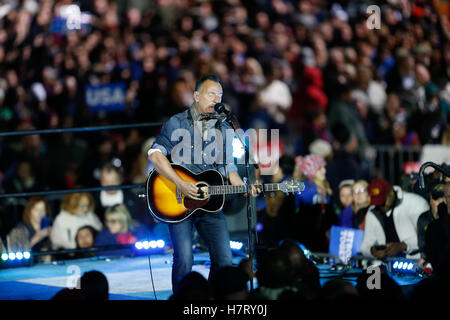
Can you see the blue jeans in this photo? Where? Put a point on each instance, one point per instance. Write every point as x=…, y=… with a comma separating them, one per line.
x=212, y=227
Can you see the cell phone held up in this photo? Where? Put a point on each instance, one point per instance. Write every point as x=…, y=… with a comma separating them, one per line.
x=46, y=222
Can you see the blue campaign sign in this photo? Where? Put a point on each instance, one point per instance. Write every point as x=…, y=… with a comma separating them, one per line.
x=345, y=242
x=107, y=97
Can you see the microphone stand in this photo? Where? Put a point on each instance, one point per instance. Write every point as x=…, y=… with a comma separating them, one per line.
x=233, y=122
x=435, y=166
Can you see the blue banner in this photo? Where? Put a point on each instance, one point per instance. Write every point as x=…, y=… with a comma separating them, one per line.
x=109, y=97
x=345, y=242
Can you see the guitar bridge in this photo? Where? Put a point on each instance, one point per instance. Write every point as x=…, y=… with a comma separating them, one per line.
x=178, y=196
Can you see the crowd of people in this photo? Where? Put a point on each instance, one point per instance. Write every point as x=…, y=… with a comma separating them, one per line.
x=84, y=221
x=312, y=69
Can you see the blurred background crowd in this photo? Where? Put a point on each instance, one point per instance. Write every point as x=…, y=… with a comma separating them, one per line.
x=334, y=84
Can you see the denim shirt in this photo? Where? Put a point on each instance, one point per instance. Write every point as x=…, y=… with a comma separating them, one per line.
x=179, y=147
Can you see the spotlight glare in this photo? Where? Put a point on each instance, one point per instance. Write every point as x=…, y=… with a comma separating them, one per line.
x=4, y=256
x=19, y=255
x=145, y=244
x=395, y=265
x=238, y=148
x=153, y=244
x=12, y=256
x=26, y=255
x=138, y=245
x=236, y=245
x=405, y=265
x=410, y=266
x=160, y=243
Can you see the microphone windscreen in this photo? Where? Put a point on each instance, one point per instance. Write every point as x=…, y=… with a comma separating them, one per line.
x=220, y=108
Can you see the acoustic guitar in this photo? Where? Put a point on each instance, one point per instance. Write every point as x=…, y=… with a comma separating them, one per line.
x=168, y=204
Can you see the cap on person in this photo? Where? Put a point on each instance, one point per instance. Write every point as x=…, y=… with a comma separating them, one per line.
x=378, y=190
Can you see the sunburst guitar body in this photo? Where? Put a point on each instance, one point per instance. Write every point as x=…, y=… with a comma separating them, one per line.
x=167, y=204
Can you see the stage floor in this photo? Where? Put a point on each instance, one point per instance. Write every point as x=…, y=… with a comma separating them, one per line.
x=128, y=277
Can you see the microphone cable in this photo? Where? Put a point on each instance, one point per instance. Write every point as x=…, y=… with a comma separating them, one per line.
x=151, y=275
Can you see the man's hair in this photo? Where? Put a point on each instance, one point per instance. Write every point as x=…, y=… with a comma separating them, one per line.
x=212, y=77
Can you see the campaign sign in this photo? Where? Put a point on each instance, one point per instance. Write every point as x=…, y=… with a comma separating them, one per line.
x=345, y=242
x=108, y=97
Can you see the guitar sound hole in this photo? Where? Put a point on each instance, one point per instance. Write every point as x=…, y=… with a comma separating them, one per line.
x=202, y=190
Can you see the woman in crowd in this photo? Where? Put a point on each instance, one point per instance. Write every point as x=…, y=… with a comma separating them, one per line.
x=314, y=212
x=354, y=216
x=120, y=229
x=345, y=196
x=85, y=238
x=32, y=233
x=77, y=210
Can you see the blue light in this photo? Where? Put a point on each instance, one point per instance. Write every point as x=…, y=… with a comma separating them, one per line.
x=306, y=252
x=4, y=256
x=259, y=227
x=410, y=266
x=153, y=244
x=395, y=265
x=11, y=256
x=400, y=265
x=26, y=255
x=19, y=255
x=405, y=265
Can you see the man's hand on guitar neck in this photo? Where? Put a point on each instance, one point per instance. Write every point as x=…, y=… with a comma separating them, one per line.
x=236, y=180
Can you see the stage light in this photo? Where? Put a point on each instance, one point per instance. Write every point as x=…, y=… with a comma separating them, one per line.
x=153, y=245
x=403, y=267
x=26, y=255
x=12, y=256
x=19, y=255
x=236, y=245
x=139, y=245
x=4, y=256
x=160, y=243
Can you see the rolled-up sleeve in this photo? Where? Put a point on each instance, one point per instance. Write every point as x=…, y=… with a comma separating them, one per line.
x=162, y=142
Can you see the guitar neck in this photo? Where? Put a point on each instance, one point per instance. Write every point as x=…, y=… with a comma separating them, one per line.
x=231, y=189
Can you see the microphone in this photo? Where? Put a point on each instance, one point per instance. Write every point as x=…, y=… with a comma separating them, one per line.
x=220, y=108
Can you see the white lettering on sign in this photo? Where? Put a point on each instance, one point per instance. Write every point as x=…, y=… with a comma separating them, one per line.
x=345, y=244
x=104, y=96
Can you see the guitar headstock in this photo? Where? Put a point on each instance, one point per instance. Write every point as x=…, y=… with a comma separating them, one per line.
x=292, y=186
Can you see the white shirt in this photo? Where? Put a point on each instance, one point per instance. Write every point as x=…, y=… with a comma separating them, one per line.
x=66, y=225
x=406, y=215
